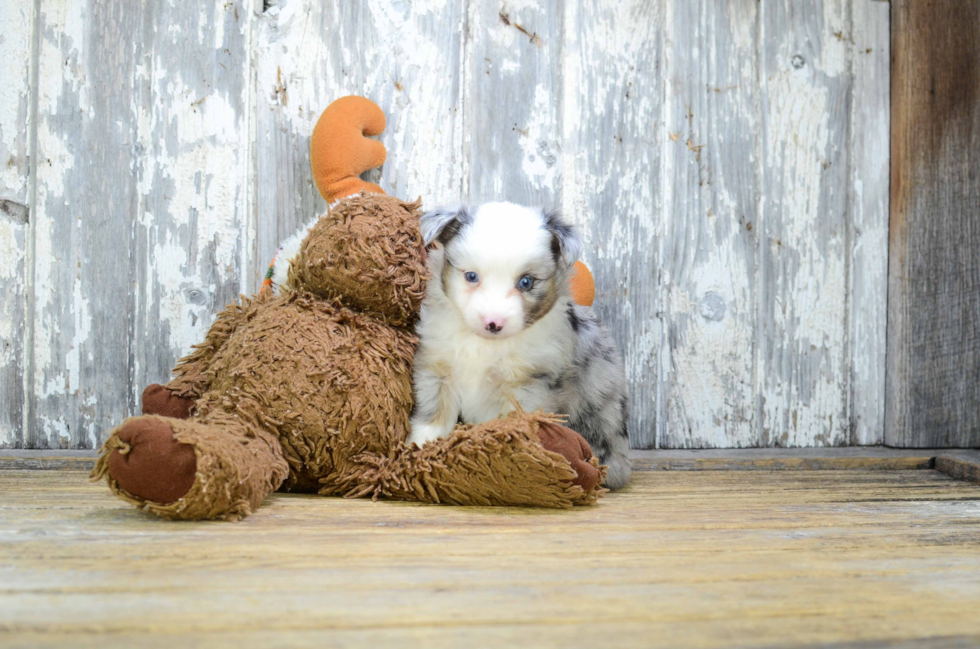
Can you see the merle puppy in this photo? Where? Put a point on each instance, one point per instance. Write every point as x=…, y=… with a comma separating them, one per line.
x=498, y=324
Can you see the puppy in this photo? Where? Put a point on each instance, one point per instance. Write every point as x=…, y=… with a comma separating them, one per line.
x=498, y=324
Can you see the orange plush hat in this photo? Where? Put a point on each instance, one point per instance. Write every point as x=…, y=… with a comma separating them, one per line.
x=341, y=150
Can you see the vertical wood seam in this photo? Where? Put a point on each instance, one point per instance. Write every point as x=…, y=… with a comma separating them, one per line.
x=459, y=137
x=663, y=352
x=137, y=348
x=28, y=432
x=135, y=344
x=848, y=347
x=760, y=324
x=249, y=264
x=891, y=298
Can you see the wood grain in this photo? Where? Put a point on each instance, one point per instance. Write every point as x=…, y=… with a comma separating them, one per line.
x=700, y=559
x=962, y=465
x=15, y=142
x=867, y=219
x=933, y=365
x=835, y=458
x=142, y=148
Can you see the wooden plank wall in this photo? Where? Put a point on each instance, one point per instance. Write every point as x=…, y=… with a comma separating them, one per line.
x=933, y=374
x=726, y=162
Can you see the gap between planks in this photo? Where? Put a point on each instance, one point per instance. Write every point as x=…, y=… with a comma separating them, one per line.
x=961, y=464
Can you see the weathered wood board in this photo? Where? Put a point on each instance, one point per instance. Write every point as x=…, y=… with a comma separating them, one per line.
x=867, y=219
x=679, y=559
x=933, y=374
x=725, y=162
x=16, y=124
x=711, y=201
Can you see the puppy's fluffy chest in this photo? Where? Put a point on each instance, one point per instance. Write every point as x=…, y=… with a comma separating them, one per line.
x=488, y=375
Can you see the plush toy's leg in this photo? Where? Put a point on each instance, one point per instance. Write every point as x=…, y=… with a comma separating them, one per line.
x=161, y=400
x=185, y=469
x=502, y=462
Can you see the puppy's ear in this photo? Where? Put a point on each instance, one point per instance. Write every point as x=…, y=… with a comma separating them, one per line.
x=444, y=223
x=565, y=244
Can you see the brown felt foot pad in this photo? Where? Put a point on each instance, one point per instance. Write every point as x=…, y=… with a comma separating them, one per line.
x=157, y=467
x=573, y=447
x=158, y=400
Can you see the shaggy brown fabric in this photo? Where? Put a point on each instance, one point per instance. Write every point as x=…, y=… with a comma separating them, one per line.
x=158, y=400
x=327, y=381
x=365, y=253
x=305, y=392
x=500, y=462
x=237, y=467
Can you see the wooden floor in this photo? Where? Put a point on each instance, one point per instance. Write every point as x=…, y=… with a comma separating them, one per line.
x=858, y=558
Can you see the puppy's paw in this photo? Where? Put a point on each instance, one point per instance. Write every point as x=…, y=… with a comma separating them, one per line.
x=422, y=433
x=618, y=473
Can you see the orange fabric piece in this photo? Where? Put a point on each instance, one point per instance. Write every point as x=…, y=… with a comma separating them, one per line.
x=582, y=284
x=340, y=149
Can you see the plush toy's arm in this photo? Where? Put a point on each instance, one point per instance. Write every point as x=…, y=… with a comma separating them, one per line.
x=192, y=375
x=524, y=459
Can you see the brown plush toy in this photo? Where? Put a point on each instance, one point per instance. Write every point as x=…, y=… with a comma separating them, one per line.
x=310, y=390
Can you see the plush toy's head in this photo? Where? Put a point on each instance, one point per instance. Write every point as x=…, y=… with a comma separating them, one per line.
x=368, y=253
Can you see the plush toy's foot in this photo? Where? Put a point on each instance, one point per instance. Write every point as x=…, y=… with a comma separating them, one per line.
x=149, y=463
x=501, y=462
x=566, y=442
x=185, y=469
x=160, y=400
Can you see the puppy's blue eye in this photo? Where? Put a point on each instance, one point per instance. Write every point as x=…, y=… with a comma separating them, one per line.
x=471, y=277
x=525, y=283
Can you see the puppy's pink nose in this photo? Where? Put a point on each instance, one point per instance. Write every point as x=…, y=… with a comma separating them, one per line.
x=494, y=323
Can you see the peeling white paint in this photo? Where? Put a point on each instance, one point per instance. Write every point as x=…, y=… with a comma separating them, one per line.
x=15, y=50
x=541, y=152
x=55, y=428
x=12, y=253
x=81, y=330
x=801, y=379
x=11, y=250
